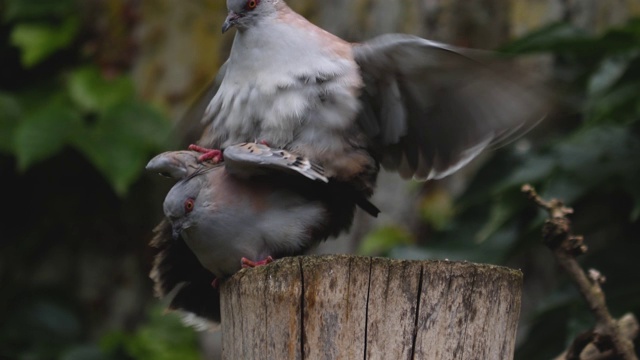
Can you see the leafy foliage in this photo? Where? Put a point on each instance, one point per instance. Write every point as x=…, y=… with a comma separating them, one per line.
x=46, y=325
x=38, y=41
x=163, y=337
x=589, y=159
x=76, y=105
x=74, y=139
x=37, y=10
x=383, y=240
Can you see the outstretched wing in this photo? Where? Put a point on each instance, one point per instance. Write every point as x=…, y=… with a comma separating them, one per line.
x=430, y=108
x=250, y=159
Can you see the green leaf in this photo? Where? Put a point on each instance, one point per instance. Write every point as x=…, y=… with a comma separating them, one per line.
x=564, y=38
x=164, y=337
x=85, y=352
x=621, y=39
x=44, y=133
x=609, y=72
x=94, y=93
x=619, y=105
x=52, y=318
x=561, y=37
x=10, y=113
x=382, y=240
x=37, y=9
x=631, y=185
x=37, y=41
x=635, y=213
x=533, y=169
x=436, y=208
x=611, y=150
x=121, y=140
x=503, y=210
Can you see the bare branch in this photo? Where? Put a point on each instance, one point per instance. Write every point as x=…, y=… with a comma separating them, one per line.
x=607, y=336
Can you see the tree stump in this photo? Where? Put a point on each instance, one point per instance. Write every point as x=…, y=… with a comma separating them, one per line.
x=348, y=307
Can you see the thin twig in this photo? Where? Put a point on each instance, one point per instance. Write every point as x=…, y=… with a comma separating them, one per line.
x=565, y=247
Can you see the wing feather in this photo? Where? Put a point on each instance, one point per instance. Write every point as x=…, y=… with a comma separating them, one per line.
x=430, y=108
x=253, y=159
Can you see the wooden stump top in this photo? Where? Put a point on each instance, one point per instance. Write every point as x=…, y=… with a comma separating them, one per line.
x=349, y=307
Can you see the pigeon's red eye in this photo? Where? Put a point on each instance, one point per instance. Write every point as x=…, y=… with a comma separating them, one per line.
x=188, y=205
x=251, y=4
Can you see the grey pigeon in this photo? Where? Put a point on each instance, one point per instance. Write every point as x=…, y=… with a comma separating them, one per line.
x=416, y=106
x=258, y=203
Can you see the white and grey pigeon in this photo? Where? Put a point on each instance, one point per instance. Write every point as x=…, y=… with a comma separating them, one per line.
x=258, y=203
x=422, y=108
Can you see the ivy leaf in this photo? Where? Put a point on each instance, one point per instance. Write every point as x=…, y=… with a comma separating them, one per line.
x=37, y=9
x=502, y=211
x=10, y=113
x=163, y=337
x=37, y=41
x=120, y=142
x=44, y=133
x=619, y=105
x=534, y=168
x=609, y=149
x=384, y=239
x=561, y=37
x=92, y=92
x=436, y=208
x=84, y=352
x=609, y=72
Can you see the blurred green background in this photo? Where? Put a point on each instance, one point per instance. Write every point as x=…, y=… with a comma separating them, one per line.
x=89, y=92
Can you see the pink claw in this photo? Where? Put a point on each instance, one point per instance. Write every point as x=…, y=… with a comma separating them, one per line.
x=215, y=283
x=246, y=263
x=214, y=155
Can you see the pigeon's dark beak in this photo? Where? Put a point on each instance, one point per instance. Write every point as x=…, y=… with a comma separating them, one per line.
x=230, y=21
x=175, y=234
x=176, y=229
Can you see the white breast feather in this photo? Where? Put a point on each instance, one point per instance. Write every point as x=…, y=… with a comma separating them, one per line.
x=276, y=84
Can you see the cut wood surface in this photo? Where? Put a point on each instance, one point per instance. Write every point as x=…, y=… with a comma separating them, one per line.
x=349, y=307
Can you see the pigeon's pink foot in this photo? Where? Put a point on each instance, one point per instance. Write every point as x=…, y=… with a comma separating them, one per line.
x=246, y=263
x=213, y=155
x=215, y=283
x=264, y=142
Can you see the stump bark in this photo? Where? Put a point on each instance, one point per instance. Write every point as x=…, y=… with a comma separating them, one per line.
x=348, y=307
